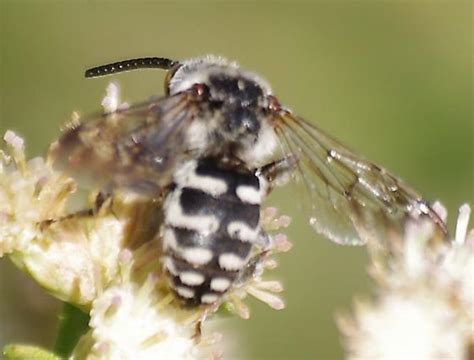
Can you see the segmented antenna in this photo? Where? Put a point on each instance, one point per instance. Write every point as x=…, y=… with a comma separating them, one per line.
x=131, y=64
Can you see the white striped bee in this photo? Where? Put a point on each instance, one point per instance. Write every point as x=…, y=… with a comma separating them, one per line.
x=212, y=148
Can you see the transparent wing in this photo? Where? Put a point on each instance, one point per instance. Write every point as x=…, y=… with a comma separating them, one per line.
x=351, y=199
x=135, y=148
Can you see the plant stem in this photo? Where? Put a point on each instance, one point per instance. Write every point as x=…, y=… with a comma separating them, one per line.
x=72, y=324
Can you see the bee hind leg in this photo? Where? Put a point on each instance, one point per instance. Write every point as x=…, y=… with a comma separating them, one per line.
x=212, y=308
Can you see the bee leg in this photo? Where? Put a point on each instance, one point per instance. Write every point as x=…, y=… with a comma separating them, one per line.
x=102, y=199
x=252, y=266
x=279, y=172
x=78, y=214
x=264, y=240
x=198, y=331
x=198, y=328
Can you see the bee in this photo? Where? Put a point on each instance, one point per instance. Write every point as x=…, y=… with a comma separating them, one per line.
x=210, y=150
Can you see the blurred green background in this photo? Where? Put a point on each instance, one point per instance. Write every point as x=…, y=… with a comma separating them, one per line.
x=393, y=80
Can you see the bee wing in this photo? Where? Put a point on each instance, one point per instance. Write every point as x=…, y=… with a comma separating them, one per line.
x=351, y=199
x=135, y=148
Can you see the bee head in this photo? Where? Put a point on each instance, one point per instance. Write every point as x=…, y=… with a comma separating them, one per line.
x=235, y=108
x=234, y=111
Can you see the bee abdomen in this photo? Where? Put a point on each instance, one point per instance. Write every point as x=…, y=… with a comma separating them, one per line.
x=212, y=223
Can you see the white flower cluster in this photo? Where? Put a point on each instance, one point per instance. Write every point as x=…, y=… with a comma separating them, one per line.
x=424, y=305
x=107, y=262
x=135, y=320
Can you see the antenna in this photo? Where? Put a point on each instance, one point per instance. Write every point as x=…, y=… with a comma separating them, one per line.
x=131, y=64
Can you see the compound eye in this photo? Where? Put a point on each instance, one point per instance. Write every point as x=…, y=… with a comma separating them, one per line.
x=200, y=90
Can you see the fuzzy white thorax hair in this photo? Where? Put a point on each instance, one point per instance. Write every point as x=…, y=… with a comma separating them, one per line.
x=263, y=149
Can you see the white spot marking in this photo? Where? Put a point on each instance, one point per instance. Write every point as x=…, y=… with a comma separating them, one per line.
x=196, y=255
x=240, y=230
x=169, y=240
x=186, y=176
x=185, y=292
x=220, y=284
x=249, y=194
x=191, y=278
x=231, y=262
x=169, y=265
x=209, y=298
x=203, y=224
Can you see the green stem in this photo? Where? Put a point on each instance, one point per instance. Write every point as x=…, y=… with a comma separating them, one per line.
x=27, y=352
x=73, y=323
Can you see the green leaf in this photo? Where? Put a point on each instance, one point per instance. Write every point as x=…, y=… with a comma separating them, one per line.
x=27, y=352
x=73, y=323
